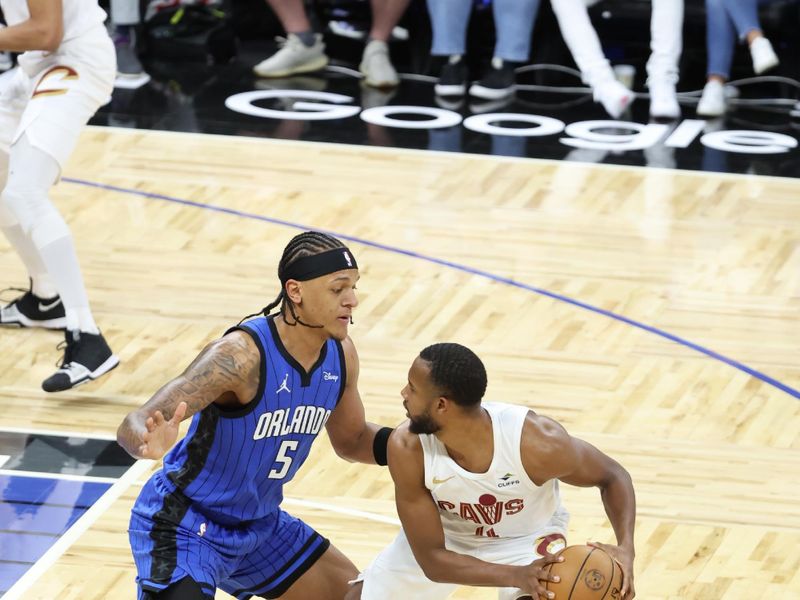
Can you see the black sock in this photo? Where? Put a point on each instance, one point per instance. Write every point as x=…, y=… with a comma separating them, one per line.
x=307, y=37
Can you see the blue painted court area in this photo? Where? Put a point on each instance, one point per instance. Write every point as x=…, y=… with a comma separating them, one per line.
x=34, y=513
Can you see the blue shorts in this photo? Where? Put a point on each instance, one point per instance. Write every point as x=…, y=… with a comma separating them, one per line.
x=171, y=540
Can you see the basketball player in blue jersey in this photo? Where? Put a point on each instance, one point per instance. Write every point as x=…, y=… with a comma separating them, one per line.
x=258, y=397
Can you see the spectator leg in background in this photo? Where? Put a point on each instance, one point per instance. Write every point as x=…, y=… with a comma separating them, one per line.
x=720, y=39
x=376, y=65
x=449, y=21
x=720, y=43
x=584, y=45
x=513, y=20
x=125, y=17
x=385, y=15
x=292, y=15
x=666, y=43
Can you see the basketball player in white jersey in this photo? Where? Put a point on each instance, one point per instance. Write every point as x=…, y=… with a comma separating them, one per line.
x=476, y=487
x=66, y=72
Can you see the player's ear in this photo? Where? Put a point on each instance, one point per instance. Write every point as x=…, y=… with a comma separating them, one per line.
x=293, y=291
x=442, y=404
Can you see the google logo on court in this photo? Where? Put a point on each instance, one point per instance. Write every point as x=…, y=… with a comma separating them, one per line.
x=619, y=136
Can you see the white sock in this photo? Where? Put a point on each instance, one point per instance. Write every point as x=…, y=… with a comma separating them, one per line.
x=58, y=253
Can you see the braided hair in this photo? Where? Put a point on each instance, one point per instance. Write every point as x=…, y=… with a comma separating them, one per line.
x=457, y=371
x=307, y=243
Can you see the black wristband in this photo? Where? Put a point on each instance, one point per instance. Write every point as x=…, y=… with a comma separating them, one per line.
x=380, y=445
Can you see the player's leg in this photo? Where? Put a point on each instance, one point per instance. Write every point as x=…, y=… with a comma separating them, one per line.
x=24, y=311
x=395, y=575
x=31, y=174
x=283, y=557
x=328, y=577
x=40, y=306
x=172, y=561
x=185, y=589
x=49, y=131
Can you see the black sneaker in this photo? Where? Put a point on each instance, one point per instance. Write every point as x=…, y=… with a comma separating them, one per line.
x=499, y=82
x=86, y=357
x=29, y=310
x=453, y=79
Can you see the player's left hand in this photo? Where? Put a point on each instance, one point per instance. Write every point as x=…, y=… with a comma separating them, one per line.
x=624, y=558
x=160, y=433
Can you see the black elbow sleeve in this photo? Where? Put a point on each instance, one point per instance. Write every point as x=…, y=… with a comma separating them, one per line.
x=380, y=445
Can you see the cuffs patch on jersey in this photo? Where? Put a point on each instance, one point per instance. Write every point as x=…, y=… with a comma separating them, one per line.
x=302, y=561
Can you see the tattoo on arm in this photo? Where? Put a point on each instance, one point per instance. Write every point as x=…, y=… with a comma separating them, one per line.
x=227, y=365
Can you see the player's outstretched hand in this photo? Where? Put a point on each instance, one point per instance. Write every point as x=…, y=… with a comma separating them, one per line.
x=160, y=434
x=535, y=574
x=624, y=558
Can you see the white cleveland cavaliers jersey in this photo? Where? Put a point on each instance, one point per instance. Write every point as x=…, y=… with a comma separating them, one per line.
x=80, y=16
x=503, y=501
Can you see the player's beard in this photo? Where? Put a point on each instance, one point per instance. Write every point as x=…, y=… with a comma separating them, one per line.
x=423, y=424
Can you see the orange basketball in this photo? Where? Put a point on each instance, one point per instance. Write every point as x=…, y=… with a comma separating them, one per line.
x=587, y=573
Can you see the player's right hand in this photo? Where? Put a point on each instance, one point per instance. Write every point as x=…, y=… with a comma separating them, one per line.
x=160, y=434
x=535, y=574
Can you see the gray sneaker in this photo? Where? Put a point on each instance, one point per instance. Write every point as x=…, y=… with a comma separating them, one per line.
x=293, y=57
x=128, y=64
x=6, y=62
x=376, y=67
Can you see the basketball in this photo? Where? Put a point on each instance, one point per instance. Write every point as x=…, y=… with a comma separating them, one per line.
x=587, y=573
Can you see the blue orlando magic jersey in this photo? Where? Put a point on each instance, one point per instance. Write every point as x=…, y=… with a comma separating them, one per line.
x=233, y=464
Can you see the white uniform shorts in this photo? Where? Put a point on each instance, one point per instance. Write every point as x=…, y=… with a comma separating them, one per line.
x=51, y=96
x=395, y=574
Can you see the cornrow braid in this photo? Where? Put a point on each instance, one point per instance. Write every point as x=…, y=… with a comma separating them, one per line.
x=457, y=371
x=307, y=243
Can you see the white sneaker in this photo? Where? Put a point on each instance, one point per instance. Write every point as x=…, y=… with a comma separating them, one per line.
x=712, y=103
x=614, y=96
x=293, y=57
x=764, y=57
x=663, y=100
x=377, y=67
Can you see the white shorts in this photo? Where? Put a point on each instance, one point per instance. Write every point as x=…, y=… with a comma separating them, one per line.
x=395, y=574
x=51, y=96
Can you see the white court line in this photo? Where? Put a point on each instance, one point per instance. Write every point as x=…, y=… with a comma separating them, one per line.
x=63, y=543
x=3, y=459
x=352, y=512
x=69, y=434
x=64, y=476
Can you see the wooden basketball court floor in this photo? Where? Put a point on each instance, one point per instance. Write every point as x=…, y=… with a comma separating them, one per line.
x=591, y=293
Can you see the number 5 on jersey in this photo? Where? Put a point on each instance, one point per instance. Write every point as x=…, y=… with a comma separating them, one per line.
x=283, y=461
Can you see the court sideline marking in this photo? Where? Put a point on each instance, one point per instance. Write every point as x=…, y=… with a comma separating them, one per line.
x=20, y=588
